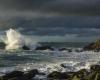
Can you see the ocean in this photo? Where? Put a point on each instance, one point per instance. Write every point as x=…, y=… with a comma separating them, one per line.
x=45, y=61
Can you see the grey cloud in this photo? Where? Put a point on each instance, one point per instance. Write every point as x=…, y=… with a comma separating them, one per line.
x=86, y=7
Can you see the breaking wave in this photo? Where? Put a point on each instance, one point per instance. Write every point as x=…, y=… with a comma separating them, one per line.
x=15, y=40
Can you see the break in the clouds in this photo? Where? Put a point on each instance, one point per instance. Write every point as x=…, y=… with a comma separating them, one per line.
x=87, y=7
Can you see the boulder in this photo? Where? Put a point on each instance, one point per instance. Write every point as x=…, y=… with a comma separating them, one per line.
x=93, y=76
x=62, y=49
x=65, y=49
x=95, y=68
x=2, y=45
x=58, y=75
x=18, y=75
x=80, y=75
x=25, y=47
x=44, y=48
x=28, y=76
x=93, y=46
x=11, y=75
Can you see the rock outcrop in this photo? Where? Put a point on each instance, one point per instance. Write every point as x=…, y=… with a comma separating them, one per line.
x=83, y=74
x=93, y=46
x=2, y=45
x=19, y=75
x=44, y=48
x=25, y=47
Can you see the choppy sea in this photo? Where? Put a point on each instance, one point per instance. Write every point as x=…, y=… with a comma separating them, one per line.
x=47, y=61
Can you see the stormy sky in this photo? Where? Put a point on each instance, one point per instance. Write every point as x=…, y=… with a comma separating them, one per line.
x=52, y=19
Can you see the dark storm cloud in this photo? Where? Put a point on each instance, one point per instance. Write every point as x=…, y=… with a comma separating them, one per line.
x=88, y=7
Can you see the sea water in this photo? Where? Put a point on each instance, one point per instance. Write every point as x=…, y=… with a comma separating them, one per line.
x=45, y=61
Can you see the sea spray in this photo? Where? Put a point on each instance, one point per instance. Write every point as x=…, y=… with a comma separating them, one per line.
x=14, y=39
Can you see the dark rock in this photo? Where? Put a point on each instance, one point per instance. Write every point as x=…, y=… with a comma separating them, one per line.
x=65, y=49
x=93, y=46
x=95, y=68
x=69, y=50
x=20, y=78
x=63, y=65
x=26, y=76
x=80, y=75
x=58, y=75
x=12, y=75
x=62, y=49
x=29, y=75
x=25, y=47
x=44, y=48
x=2, y=45
x=93, y=76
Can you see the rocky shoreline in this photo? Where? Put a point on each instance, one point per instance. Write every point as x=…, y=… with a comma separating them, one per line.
x=83, y=74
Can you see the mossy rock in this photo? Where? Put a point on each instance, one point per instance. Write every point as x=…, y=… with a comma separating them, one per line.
x=75, y=78
x=93, y=46
x=11, y=75
x=55, y=75
x=95, y=68
x=58, y=75
x=79, y=75
x=93, y=76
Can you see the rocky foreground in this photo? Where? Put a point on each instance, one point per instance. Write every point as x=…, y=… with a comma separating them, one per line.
x=83, y=74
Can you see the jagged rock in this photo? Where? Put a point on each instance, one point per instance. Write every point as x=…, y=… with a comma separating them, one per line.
x=93, y=76
x=62, y=49
x=95, y=68
x=18, y=75
x=58, y=75
x=44, y=48
x=2, y=45
x=80, y=75
x=65, y=49
x=11, y=75
x=25, y=47
x=93, y=46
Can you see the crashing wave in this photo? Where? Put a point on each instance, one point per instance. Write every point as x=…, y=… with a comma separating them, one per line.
x=15, y=41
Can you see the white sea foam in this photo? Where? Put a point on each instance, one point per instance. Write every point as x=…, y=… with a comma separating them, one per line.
x=15, y=40
x=53, y=61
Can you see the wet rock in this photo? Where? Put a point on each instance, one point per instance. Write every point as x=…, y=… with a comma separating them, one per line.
x=2, y=45
x=63, y=65
x=11, y=75
x=26, y=76
x=93, y=46
x=25, y=47
x=95, y=68
x=31, y=74
x=54, y=75
x=44, y=48
x=65, y=49
x=69, y=50
x=93, y=76
x=58, y=75
x=62, y=49
x=80, y=75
